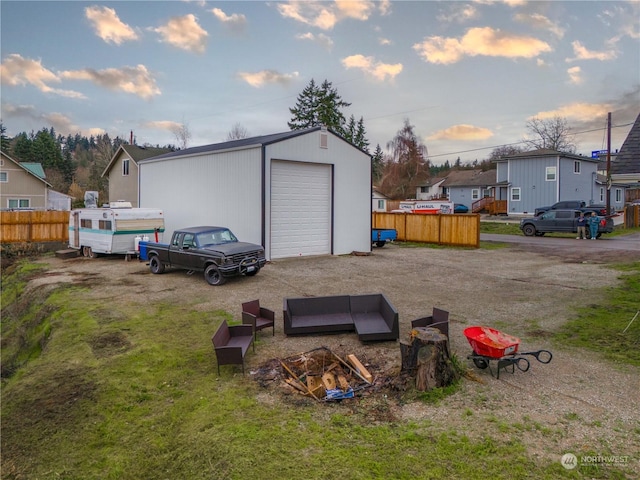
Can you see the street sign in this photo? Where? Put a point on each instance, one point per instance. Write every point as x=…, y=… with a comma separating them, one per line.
x=598, y=153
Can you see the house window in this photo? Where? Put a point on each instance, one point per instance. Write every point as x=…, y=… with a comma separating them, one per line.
x=104, y=224
x=475, y=194
x=19, y=203
x=515, y=194
x=618, y=195
x=601, y=194
x=125, y=168
x=576, y=166
x=4, y=177
x=380, y=204
x=85, y=223
x=550, y=174
x=425, y=189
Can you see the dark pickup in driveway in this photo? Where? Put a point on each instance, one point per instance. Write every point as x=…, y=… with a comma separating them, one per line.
x=561, y=221
x=574, y=205
x=213, y=250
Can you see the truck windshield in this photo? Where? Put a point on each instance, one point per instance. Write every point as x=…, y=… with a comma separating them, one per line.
x=216, y=237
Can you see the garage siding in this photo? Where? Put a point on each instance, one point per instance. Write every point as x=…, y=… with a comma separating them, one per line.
x=300, y=209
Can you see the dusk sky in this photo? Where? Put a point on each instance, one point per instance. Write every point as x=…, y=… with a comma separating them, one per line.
x=467, y=74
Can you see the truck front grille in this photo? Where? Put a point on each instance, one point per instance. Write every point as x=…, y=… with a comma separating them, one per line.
x=257, y=255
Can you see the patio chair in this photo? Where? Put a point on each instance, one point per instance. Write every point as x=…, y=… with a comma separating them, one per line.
x=439, y=319
x=258, y=317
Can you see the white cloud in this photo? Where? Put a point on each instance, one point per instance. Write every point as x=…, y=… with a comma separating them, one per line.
x=321, y=39
x=380, y=71
x=582, y=53
x=16, y=70
x=459, y=13
x=136, y=80
x=59, y=121
x=184, y=33
x=259, y=79
x=582, y=112
x=325, y=15
x=108, y=25
x=236, y=21
x=575, y=75
x=480, y=41
x=163, y=125
x=537, y=20
x=462, y=132
x=384, y=41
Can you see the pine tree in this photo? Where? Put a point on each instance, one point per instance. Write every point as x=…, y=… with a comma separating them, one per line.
x=377, y=162
x=4, y=140
x=317, y=106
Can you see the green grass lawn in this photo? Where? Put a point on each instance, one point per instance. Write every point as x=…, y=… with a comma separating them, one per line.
x=111, y=390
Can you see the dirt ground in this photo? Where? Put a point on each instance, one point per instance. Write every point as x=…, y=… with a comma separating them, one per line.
x=578, y=403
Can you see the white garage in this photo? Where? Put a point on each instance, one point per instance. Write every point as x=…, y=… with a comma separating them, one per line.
x=297, y=193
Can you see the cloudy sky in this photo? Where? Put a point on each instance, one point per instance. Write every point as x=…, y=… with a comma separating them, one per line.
x=466, y=74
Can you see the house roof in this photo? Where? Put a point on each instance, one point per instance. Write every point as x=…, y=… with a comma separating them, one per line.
x=628, y=158
x=470, y=178
x=35, y=168
x=545, y=152
x=135, y=153
x=30, y=172
x=243, y=143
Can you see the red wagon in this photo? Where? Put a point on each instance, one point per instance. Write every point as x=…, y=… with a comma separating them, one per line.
x=490, y=344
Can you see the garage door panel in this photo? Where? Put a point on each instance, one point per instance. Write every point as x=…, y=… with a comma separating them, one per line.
x=300, y=209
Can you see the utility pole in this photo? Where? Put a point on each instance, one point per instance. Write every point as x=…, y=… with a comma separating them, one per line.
x=608, y=163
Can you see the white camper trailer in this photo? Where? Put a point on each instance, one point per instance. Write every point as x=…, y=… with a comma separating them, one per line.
x=116, y=229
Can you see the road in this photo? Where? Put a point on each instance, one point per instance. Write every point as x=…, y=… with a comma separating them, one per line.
x=626, y=246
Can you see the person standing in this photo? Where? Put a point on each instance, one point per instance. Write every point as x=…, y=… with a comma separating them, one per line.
x=594, y=222
x=582, y=227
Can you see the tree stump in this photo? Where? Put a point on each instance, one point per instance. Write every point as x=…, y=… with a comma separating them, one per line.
x=426, y=357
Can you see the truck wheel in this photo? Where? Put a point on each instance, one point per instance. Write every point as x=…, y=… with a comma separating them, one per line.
x=155, y=265
x=380, y=244
x=529, y=230
x=213, y=276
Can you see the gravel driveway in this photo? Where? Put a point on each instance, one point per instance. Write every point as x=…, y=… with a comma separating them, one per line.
x=578, y=403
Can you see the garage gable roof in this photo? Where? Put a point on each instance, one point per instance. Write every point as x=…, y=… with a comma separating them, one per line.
x=243, y=143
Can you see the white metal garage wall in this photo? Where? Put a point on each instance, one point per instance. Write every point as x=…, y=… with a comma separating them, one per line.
x=300, y=209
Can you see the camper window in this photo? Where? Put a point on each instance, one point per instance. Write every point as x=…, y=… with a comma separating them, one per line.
x=104, y=224
x=85, y=223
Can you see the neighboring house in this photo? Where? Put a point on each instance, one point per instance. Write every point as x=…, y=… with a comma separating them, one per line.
x=431, y=189
x=378, y=201
x=543, y=177
x=625, y=169
x=122, y=171
x=301, y=192
x=22, y=186
x=468, y=186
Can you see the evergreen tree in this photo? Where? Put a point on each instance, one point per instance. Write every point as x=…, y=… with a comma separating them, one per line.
x=317, y=106
x=22, y=148
x=45, y=149
x=4, y=140
x=377, y=164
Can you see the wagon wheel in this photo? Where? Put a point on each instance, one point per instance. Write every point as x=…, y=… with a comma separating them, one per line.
x=481, y=363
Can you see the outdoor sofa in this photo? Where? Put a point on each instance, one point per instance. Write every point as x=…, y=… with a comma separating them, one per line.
x=371, y=316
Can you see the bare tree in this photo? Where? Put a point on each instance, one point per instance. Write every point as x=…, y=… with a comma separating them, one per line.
x=504, y=151
x=237, y=132
x=552, y=134
x=407, y=166
x=182, y=134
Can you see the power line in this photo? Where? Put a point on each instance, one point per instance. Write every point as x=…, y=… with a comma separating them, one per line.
x=521, y=142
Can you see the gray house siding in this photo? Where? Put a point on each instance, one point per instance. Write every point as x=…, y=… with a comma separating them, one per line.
x=502, y=172
x=530, y=178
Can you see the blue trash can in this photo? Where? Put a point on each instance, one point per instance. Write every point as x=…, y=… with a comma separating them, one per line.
x=142, y=246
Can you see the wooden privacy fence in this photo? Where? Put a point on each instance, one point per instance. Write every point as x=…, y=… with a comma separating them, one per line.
x=34, y=226
x=632, y=216
x=458, y=229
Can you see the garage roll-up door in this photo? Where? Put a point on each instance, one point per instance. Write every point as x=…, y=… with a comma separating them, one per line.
x=300, y=209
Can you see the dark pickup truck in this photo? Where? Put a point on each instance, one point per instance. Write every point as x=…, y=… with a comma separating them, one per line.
x=561, y=221
x=574, y=205
x=213, y=250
